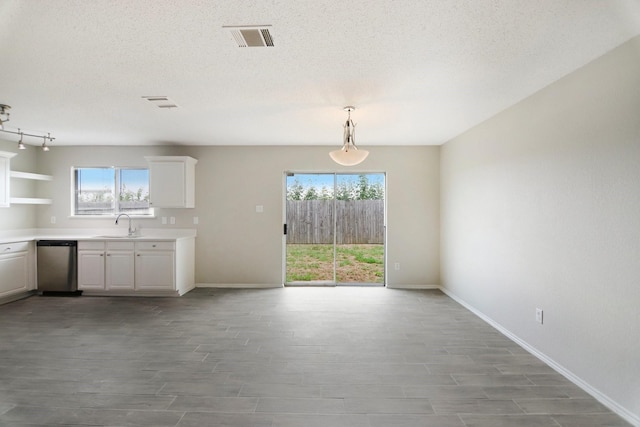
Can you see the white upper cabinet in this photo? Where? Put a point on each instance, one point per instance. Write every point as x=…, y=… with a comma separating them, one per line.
x=172, y=181
x=5, y=178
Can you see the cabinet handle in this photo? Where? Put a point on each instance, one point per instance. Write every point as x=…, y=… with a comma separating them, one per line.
x=101, y=254
x=7, y=249
x=153, y=246
x=137, y=254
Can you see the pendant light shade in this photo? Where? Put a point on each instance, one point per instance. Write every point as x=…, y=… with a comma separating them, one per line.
x=349, y=158
x=349, y=155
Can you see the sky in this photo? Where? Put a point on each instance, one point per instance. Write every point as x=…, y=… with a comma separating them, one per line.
x=98, y=178
x=326, y=179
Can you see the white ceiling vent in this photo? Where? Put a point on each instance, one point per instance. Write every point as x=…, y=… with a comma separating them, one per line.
x=251, y=36
x=160, y=101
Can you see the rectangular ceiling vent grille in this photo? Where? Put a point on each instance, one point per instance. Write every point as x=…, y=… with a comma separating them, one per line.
x=252, y=36
x=160, y=101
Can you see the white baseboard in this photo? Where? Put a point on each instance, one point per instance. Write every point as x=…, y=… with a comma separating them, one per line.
x=240, y=285
x=280, y=285
x=599, y=396
x=15, y=297
x=412, y=286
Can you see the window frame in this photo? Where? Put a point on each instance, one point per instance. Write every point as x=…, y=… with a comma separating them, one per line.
x=116, y=183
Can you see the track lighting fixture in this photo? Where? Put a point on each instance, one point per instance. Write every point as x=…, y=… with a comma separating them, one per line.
x=4, y=118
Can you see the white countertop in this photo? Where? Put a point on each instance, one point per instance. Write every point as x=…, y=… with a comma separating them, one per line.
x=9, y=236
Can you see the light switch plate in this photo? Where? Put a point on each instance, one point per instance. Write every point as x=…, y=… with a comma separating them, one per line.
x=259, y=208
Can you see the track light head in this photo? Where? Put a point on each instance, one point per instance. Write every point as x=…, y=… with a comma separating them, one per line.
x=21, y=145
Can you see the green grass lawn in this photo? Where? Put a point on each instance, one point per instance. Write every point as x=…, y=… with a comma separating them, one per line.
x=354, y=263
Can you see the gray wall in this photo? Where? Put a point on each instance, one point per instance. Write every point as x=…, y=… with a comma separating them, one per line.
x=541, y=208
x=236, y=245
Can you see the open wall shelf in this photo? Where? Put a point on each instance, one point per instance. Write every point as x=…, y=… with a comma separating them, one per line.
x=30, y=200
x=29, y=175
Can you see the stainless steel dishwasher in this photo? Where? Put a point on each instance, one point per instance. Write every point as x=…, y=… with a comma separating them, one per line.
x=57, y=266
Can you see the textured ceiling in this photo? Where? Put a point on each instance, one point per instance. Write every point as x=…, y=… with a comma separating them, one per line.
x=418, y=72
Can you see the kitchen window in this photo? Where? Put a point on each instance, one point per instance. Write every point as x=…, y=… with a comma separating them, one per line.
x=108, y=191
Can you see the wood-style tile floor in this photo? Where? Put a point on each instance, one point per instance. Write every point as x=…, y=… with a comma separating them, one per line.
x=305, y=357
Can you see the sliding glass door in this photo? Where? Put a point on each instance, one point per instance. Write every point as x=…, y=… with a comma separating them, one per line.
x=335, y=229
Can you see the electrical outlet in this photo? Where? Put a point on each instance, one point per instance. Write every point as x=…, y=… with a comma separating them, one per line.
x=539, y=316
x=195, y=220
x=164, y=220
x=53, y=220
x=172, y=220
x=259, y=208
x=396, y=266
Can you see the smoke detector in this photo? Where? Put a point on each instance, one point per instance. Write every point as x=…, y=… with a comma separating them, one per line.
x=251, y=35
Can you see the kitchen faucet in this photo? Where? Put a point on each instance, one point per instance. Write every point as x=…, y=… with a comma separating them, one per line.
x=132, y=231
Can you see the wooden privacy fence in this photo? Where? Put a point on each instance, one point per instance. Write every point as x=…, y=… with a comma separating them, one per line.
x=358, y=221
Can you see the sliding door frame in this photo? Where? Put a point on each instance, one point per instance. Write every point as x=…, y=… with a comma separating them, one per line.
x=334, y=225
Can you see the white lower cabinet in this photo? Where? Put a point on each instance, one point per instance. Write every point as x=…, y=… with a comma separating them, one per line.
x=119, y=267
x=155, y=266
x=136, y=267
x=90, y=268
x=16, y=265
x=105, y=265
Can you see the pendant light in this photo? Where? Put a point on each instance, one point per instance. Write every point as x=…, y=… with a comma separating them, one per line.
x=349, y=155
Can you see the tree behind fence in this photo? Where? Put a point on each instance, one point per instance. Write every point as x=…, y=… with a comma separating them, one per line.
x=358, y=221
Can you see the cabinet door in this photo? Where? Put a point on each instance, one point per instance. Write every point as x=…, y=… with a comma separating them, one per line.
x=91, y=270
x=120, y=270
x=167, y=184
x=155, y=270
x=14, y=273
